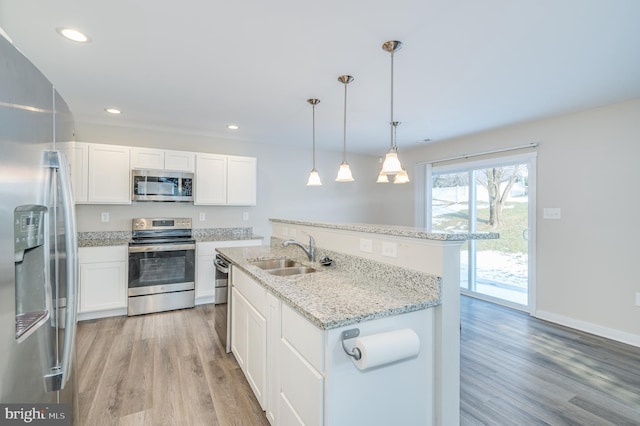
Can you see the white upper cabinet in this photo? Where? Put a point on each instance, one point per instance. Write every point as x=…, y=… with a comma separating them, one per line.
x=211, y=179
x=78, y=157
x=180, y=160
x=109, y=174
x=241, y=180
x=161, y=159
x=225, y=180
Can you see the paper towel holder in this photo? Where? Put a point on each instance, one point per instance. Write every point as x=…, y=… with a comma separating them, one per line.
x=350, y=334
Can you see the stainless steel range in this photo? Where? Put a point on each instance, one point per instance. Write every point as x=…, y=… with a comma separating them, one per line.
x=161, y=265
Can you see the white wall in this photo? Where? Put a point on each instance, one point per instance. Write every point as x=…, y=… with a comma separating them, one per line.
x=282, y=190
x=587, y=165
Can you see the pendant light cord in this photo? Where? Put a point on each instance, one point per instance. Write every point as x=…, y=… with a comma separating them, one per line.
x=313, y=106
x=344, y=127
x=391, y=121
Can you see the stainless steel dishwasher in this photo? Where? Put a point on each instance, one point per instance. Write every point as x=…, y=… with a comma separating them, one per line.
x=221, y=323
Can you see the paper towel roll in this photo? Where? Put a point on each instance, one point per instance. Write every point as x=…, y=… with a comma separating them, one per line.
x=384, y=348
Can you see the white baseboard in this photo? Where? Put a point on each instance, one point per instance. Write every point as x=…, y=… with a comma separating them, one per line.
x=587, y=327
x=102, y=314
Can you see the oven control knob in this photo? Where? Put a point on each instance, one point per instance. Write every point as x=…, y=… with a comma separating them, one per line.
x=140, y=224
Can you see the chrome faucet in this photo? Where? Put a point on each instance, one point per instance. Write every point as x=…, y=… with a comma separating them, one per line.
x=310, y=252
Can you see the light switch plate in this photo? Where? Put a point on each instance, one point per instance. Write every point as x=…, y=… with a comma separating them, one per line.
x=104, y=217
x=389, y=249
x=245, y=216
x=366, y=245
x=552, y=213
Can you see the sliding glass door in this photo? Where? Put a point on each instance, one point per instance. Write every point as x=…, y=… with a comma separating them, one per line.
x=488, y=196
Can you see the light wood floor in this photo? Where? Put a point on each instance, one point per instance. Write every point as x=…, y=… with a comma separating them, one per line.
x=517, y=370
x=169, y=369
x=161, y=369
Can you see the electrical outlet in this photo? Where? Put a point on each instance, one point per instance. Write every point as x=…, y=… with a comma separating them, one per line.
x=245, y=216
x=104, y=217
x=637, y=299
x=552, y=213
x=366, y=245
x=202, y=216
x=292, y=232
x=285, y=231
x=389, y=249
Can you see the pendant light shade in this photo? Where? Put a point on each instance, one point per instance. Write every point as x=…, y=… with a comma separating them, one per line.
x=392, y=165
x=401, y=177
x=382, y=178
x=344, y=173
x=314, y=177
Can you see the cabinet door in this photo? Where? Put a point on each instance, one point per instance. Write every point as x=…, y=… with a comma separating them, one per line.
x=109, y=174
x=205, y=277
x=147, y=158
x=273, y=345
x=241, y=180
x=256, y=358
x=102, y=286
x=211, y=179
x=77, y=155
x=301, y=387
x=179, y=160
x=239, y=327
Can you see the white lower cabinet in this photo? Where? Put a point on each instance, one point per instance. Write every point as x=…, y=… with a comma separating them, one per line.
x=274, y=331
x=103, y=281
x=249, y=331
x=301, y=375
x=301, y=396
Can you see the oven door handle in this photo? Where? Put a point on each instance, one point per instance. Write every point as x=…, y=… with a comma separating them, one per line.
x=161, y=247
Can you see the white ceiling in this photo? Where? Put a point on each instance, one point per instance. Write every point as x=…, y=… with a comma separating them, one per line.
x=195, y=66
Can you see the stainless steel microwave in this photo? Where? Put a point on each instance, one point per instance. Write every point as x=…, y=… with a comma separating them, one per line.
x=161, y=185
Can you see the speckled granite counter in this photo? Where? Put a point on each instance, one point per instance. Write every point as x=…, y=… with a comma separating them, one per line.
x=102, y=239
x=224, y=234
x=398, y=231
x=350, y=291
x=116, y=238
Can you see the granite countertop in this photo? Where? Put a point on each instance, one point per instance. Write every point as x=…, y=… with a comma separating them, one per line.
x=398, y=231
x=117, y=238
x=350, y=291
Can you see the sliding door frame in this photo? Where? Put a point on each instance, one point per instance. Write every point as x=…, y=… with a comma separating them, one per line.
x=423, y=177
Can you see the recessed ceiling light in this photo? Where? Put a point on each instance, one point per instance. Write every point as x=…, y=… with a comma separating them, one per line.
x=113, y=110
x=232, y=127
x=73, y=35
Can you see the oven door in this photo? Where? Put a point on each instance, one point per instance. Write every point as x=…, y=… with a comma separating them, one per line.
x=161, y=268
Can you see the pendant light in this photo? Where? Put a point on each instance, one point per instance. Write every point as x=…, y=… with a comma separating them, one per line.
x=314, y=177
x=401, y=177
x=344, y=173
x=391, y=165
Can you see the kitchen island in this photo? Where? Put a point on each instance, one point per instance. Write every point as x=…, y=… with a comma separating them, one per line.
x=382, y=279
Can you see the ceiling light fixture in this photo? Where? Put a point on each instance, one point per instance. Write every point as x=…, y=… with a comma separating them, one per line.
x=113, y=110
x=314, y=177
x=232, y=127
x=392, y=165
x=344, y=173
x=73, y=35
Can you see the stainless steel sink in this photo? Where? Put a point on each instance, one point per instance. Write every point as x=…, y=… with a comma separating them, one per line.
x=275, y=263
x=294, y=270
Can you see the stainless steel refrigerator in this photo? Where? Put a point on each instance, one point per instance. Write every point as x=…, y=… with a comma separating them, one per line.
x=38, y=246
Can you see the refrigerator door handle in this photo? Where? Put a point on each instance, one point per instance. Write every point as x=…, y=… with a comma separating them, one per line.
x=59, y=378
